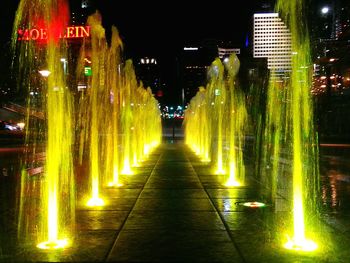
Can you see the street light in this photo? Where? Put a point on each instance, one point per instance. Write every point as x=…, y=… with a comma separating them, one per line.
x=325, y=10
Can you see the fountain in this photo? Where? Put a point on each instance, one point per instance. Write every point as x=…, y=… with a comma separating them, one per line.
x=122, y=137
x=289, y=129
x=289, y=132
x=56, y=187
x=207, y=132
x=118, y=120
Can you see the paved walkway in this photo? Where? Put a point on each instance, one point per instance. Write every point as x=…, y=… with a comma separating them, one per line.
x=173, y=209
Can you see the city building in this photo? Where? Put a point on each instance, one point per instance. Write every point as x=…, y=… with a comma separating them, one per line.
x=272, y=40
x=147, y=70
x=80, y=10
x=194, y=60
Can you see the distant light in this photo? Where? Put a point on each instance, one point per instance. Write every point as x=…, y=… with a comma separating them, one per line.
x=63, y=60
x=21, y=125
x=331, y=59
x=45, y=72
x=142, y=61
x=226, y=59
x=325, y=10
x=190, y=48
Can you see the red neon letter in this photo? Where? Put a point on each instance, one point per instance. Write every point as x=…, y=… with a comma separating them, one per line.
x=70, y=32
x=85, y=31
x=43, y=34
x=34, y=34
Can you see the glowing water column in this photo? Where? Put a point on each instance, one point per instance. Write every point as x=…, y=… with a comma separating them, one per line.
x=301, y=120
x=98, y=90
x=57, y=200
x=217, y=93
x=216, y=117
x=237, y=116
x=115, y=82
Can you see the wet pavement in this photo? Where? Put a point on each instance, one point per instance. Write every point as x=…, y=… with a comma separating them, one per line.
x=173, y=209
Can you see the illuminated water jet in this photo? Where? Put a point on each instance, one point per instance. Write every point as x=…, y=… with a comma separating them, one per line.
x=131, y=120
x=56, y=204
x=216, y=117
x=289, y=128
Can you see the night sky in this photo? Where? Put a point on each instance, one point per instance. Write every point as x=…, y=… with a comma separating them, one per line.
x=160, y=29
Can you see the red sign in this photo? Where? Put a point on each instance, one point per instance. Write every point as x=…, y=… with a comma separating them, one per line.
x=70, y=32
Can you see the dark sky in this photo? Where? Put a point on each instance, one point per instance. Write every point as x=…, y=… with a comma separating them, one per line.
x=162, y=27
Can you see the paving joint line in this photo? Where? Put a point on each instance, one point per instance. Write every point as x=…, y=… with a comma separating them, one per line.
x=227, y=228
x=131, y=209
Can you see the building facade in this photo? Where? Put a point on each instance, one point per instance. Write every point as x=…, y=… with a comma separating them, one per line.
x=272, y=40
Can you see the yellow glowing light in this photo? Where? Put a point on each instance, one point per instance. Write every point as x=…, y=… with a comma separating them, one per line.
x=232, y=182
x=146, y=149
x=301, y=245
x=220, y=171
x=55, y=244
x=254, y=204
x=95, y=201
x=127, y=171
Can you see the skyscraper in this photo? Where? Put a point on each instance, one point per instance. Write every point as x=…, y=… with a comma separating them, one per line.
x=272, y=40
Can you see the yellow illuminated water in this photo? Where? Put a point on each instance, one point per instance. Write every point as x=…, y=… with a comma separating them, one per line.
x=237, y=124
x=290, y=129
x=97, y=98
x=215, y=122
x=118, y=123
x=114, y=81
x=51, y=96
x=123, y=119
x=217, y=87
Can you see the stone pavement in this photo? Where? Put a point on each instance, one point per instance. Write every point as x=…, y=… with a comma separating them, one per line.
x=173, y=209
